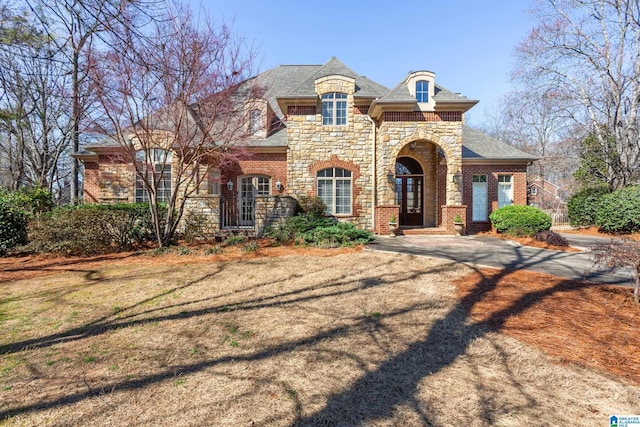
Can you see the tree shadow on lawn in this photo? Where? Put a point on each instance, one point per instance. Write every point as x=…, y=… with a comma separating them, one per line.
x=108, y=323
x=377, y=393
x=374, y=395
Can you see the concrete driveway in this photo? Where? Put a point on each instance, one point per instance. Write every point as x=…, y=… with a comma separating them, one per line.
x=486, y=251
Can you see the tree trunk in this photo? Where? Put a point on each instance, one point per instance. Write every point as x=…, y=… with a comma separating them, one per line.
x=75, y=144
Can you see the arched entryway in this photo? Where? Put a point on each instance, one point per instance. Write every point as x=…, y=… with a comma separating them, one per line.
x=409, y=191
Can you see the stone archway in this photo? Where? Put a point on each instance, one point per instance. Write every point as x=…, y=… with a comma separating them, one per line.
x=416, y=186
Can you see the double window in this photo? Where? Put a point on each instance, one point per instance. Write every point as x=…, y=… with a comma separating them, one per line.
x=422, y=91
x=156, y=166
x=334, y=188
x=334, y=109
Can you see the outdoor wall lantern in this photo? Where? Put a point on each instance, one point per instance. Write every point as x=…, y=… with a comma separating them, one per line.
x=391, y=178
x=457, y=178
x=278, y=186
x=229, y=185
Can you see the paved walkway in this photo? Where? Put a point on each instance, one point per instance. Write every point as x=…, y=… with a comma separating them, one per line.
x=490, y=251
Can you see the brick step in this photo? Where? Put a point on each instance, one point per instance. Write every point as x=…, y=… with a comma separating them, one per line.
x=427, y=231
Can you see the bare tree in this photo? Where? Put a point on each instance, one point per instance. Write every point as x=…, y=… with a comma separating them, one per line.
x=33, y=108
x=537, y=123
x=621, y=253
x=75, y=26
x=171, y=100
x=587, y=51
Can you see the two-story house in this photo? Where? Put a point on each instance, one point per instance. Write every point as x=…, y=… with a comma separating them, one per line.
x=369, y=152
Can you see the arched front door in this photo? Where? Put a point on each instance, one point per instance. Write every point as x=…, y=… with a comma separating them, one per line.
x=409, y=191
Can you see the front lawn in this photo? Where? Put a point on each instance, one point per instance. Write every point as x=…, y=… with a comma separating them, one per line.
x=285, y=337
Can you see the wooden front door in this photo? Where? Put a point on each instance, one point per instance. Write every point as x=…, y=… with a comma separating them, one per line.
x=409, y=192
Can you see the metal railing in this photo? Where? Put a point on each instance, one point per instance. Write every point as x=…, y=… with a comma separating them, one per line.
x=559, y=218
x=237, y=215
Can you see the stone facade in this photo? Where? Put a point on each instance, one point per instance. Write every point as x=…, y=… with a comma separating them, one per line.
x=381, y=126
x=313, y=147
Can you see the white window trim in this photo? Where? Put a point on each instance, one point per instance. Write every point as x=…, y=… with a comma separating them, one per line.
x=502, y=183
x=332, y=208
x=152, y=160
x=331, y=100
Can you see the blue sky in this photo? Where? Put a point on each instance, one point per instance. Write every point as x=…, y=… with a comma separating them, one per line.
x=469, y=44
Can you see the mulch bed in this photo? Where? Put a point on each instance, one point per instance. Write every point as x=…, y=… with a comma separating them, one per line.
x=592, y=325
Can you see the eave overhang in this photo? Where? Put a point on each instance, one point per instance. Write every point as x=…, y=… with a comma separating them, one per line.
x=462, y=106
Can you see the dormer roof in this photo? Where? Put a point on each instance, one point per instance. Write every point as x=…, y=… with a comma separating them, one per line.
x=365, y=88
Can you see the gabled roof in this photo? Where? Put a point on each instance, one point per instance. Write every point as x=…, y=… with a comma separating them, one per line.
x=477, y=145
x=365, y=88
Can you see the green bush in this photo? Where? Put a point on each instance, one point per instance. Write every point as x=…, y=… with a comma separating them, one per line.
x=520, y=220
x=583, y=206
x=13, y=226
x=30, y=201
x=294, y=226
x=310, y=229
x=619, y=212
x=91, y=229
x=339, y=234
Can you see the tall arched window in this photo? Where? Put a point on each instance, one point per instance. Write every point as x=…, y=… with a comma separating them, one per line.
x=156, y=167
x=334, y=188
x=334, y=109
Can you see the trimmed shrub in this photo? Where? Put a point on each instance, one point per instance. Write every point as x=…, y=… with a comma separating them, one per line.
x=517, y=220
x=583, y=206
x=295, y=226
x=13, y=226
x=339, y=234
x=310, y=229
x=551, y=238
x=91, y=229
x=619, y=212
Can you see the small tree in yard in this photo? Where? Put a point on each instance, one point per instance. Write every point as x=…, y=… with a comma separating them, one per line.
x=171, y=102
x=621, y=253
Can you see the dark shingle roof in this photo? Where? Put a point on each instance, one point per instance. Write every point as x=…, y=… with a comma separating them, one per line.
x=477, y=145
x=443, y=94
x=365, y=88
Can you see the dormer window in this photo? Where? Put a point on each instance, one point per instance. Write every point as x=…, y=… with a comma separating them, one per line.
x=334, y=109
x=255, y=121
x=422, y=91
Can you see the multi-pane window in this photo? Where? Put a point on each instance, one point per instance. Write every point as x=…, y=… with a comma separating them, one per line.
x=505, y=190
x=156, y=165
x=334, y=109
x=334, y=188
x=480, y=201
x=422, y=91
x=255, y=121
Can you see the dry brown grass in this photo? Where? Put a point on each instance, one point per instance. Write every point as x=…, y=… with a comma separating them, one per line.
x=315, y=338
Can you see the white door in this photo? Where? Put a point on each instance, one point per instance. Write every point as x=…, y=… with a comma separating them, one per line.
x=480, y=202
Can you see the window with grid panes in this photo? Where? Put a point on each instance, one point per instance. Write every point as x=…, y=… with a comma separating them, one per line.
x=505, y=190
x=334, y=109
x=422, y=91
x=334, y=189
x=156, y=165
